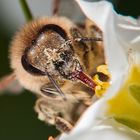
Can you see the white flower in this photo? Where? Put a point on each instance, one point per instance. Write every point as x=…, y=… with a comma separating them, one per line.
x=121, y=37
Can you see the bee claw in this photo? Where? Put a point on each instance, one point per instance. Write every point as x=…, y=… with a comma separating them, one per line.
x=63, y=125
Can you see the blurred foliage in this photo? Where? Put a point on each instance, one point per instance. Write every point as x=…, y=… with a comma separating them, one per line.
x=127, y=7
x=18, y=121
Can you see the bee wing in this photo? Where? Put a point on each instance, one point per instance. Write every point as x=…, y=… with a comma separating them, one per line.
x=10, y=84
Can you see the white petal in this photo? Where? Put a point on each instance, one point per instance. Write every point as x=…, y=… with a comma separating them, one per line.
x=107, y=130
x=120, y=35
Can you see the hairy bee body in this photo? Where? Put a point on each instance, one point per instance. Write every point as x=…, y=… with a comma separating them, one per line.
x=51, y=107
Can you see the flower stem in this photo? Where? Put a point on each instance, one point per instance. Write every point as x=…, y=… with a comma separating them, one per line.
x=27, y=13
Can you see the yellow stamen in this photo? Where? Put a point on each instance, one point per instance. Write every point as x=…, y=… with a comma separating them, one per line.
x=102, y=86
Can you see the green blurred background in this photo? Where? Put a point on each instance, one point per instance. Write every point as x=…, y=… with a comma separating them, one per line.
x=18, y=121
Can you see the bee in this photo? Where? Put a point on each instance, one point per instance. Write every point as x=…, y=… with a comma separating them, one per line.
x=56, y=59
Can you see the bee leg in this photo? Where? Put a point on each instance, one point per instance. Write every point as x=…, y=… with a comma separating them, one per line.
x=45, y=113
x=51, y=91
x=96, y=53
x=63, y=125
x=93, y=31
x=50, y=112
x=81, y=48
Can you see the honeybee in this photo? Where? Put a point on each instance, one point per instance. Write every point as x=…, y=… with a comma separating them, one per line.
x=56, y=59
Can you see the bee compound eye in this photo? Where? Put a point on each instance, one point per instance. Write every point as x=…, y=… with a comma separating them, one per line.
x=55, y=28
x=28, y=67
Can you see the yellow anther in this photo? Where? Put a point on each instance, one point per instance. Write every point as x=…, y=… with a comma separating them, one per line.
x=103, y=69
x=101, y=86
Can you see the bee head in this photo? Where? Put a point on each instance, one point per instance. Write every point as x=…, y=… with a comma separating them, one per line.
x=51, y=53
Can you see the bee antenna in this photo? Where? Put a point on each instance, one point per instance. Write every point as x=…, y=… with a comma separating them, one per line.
x=68, y=42
x=90, y=39
x=56, y=85
x=82, y=39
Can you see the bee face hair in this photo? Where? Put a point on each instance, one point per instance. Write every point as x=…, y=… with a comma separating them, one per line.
x=50, y=52
x=25, y=43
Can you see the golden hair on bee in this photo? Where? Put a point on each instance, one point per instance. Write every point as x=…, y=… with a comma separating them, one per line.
x=55, y=58
x=23, y=39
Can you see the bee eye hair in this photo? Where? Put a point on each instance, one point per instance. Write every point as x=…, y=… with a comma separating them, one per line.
x=55, y=28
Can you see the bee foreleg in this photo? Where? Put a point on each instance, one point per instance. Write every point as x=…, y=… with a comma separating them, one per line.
x=63, y=125
x=51, y=91
x=51, y=112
